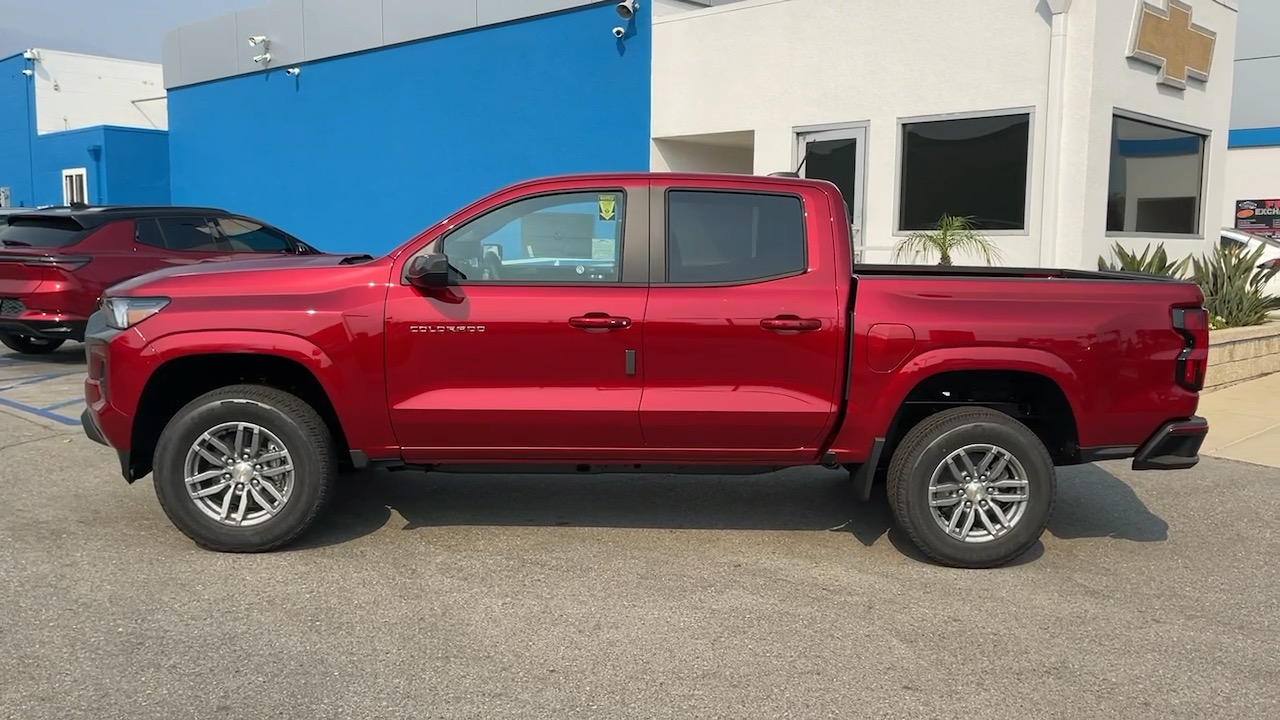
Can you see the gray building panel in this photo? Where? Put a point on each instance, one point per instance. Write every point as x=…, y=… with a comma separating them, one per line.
x=406, y=20
x=309, y=30
x=498, y=11
x=171, y=57
x=338, y=27
x=208, y=49
x=1258, y=29
x=1254, y=102
x=281, y=22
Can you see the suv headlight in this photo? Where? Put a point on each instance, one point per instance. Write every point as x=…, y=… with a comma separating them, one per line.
x=125, y=312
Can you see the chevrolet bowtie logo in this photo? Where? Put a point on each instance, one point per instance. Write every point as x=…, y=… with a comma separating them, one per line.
x=1170, y=41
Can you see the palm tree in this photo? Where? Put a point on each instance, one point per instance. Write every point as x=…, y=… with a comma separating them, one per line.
x=952, y=234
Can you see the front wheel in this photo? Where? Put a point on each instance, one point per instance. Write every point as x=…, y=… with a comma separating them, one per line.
x=29, y=345
x=972, y=487
x=245, y=468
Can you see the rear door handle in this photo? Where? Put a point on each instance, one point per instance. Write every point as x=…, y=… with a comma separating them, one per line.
x=791, y=323
x=600, y=321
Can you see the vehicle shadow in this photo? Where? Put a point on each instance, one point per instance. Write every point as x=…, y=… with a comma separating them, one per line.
x=1092, y=504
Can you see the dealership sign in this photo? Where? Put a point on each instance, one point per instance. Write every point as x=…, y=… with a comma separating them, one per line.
x=1260, y=217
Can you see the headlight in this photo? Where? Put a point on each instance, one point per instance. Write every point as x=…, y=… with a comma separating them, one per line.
x=125, y=312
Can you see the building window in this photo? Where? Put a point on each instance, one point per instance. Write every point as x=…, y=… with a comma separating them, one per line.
x=75, y=186
x=972, y=167
x=1156, y=180
x=729, y=237
x=572, y=237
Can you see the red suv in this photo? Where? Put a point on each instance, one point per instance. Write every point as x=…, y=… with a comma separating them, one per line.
x=55, y=263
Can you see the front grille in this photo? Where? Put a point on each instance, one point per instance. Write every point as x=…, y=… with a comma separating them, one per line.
x=11, y=306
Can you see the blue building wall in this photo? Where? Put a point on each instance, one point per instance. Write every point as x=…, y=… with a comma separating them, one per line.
x=136, y=166
x=360, y=152
x=122, y=165
x=16, y=128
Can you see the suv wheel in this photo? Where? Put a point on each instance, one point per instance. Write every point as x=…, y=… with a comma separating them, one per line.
x=972, y=487
x=29, y=345
x=245, y=468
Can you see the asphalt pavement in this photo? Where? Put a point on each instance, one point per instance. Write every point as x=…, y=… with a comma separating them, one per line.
x=1153, y=595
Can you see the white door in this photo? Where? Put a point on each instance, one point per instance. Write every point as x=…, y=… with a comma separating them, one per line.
x=838, y=155
x=75, y=186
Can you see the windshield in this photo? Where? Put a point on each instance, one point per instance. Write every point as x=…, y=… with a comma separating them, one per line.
x=42, y=232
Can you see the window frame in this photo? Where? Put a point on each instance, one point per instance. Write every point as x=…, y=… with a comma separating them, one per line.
x=659, y=269
x=1206, y=162
x=83, y=174
x=1030, y=206
x=631, y=255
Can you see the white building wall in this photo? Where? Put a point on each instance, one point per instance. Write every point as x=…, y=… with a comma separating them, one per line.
x=76, y=91
x=772, y=66
x=1122, y=84
x=1252, y=174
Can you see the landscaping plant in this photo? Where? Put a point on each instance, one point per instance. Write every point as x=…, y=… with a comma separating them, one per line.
x=1234, y=287
x=1151, y=263
x=952, y=234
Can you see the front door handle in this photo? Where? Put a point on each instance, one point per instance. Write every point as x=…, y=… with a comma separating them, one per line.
x=791, y=323
x=600, y=321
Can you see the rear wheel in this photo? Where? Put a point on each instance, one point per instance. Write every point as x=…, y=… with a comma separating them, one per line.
x=972, y=487
x=245, y=468
x=28, y=345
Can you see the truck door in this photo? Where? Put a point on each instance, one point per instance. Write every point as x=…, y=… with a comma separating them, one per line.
x=742, y=353
x=532, y=354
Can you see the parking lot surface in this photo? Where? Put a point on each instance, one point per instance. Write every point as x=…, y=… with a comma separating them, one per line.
x=1152, y=596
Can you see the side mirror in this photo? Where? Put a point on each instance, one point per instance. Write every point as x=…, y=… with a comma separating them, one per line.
x=429, y=272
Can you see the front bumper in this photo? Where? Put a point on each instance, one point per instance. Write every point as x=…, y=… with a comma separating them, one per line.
x=94, y=433
x=1175, y=446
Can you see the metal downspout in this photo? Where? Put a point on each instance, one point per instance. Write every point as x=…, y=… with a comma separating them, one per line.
x=1055, y=104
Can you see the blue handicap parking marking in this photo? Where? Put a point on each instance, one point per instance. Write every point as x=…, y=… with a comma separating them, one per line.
x=45, y=390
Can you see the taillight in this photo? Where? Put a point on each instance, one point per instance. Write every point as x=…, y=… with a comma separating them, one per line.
x=1193, y=325
x=62, y=262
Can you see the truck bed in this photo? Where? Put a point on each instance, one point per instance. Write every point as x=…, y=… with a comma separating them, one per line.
x=969, y=271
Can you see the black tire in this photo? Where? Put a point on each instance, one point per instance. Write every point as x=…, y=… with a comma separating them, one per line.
x=29, y=345
x=298, y=426
x=927, y=446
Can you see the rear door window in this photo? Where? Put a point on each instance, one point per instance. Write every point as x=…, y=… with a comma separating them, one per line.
x=716, y=237
x=42, y=232
x=190, y=234
x=248, y=236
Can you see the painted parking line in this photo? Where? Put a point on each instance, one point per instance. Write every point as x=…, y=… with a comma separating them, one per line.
x=66, y=403
x=39, y=412
x=33, y=379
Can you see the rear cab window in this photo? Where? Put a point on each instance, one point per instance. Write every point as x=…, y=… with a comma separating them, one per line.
x=727, y=237
x=40, y=232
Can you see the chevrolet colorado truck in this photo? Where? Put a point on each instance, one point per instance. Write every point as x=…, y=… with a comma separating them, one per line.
x=642, y=322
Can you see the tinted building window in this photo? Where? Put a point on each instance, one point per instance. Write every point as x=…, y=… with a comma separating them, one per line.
x=975, y=167
x=1156, y=178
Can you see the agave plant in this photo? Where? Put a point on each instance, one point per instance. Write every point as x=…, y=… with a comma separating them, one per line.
x=1234, y=287
x=1149, y=262
x=951, y=235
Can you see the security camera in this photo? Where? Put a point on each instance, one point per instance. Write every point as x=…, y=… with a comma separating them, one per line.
x=619, y=32
x=627, y=9
x=28, y=72
x=256, y=40
x=293, y=71
x=264, y=57
x=28, y=54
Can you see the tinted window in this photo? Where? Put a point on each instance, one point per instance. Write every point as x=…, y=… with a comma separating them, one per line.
x=720, y=237
x=148, y=233
x=973, y=167
x=249, y=236
x=190, y=234
x=1155, y=180
x=39, y=232
x=568, y=237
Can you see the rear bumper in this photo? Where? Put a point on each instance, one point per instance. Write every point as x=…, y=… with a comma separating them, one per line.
x=1175, y=446
x=44, y=329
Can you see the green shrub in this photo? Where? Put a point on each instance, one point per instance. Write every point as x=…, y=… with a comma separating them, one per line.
x=1233, y=287
x=1156, y=263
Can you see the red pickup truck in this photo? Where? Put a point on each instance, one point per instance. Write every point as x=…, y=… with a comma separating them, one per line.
x=642, y=322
